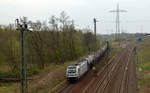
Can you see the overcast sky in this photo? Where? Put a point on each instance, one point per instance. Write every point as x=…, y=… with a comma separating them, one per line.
x=82, y=11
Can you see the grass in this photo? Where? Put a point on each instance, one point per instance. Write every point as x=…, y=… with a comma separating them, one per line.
x=144, y=63
x=145, y=80
x=57, y=86
x=54, y=88
x=9, y=88
x=6, y=88
x=56, y=82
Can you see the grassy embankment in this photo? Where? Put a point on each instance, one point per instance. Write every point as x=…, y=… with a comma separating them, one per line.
x=15, y=87
x=144, y=66
x=55, y=74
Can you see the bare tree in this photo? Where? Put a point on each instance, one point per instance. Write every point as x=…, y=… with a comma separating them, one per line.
x=54, y=21
x=63, y=20
x=38, y=42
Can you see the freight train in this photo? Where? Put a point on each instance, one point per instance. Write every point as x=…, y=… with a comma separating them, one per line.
x=76, y=71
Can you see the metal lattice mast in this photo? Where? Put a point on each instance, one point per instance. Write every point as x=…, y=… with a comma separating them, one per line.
x=118, y=11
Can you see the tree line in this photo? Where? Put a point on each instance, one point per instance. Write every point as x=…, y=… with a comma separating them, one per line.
x=55, y=42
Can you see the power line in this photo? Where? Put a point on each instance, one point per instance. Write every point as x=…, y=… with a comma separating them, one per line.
x=118, y=11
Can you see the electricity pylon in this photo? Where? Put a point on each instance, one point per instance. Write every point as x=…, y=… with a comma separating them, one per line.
x=118, y=11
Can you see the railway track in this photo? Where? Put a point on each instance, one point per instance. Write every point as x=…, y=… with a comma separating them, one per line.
x=121, y=85
x=108, y=73
x=68, y=88
x=117, y=68
x=94, y=89
x=125, y=79
x=102, y=86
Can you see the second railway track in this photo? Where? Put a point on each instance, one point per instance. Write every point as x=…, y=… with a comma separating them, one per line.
x=118, y=67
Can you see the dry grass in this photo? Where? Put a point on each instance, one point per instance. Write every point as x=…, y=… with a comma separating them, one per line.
x=144, y=64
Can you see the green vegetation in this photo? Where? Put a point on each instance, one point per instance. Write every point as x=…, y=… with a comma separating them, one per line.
x=49, y=45
x=6, y=88
x=54, y=83
x=145, y=80
x=144, y=62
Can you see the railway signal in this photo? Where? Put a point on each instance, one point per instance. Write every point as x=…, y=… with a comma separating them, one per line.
x=22, y=26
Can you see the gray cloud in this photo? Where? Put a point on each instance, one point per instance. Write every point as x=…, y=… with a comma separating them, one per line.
x=82, y=11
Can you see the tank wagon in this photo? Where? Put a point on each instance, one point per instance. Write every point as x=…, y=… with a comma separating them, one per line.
x=76, y=71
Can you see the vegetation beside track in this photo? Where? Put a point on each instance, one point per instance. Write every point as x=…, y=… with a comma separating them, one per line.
x=33, y=85
x=53, y=42
x=49, y=49
x=56, y=73
x=144, y=65
x=9, y=88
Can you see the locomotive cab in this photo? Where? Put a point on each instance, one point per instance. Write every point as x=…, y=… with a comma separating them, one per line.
x=72, y=73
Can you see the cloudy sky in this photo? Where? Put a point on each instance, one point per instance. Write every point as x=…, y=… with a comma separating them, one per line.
x=82, y=11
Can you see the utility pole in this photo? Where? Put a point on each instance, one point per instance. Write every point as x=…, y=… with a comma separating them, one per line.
x=95, y=21
x=22, y=26
x=118, y=11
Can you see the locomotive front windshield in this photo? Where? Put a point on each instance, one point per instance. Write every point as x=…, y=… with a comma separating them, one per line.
x=71, y=69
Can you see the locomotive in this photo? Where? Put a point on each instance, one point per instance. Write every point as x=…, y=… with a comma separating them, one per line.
x=76, y=71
